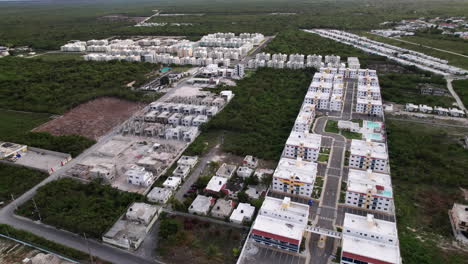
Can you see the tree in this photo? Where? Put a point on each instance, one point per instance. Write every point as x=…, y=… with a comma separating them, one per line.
x=168, y=227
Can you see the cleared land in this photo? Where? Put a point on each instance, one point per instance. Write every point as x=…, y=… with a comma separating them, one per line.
x=428, y=168
x=92, y=119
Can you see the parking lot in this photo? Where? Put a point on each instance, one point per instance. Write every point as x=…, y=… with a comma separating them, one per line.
x=257, y=254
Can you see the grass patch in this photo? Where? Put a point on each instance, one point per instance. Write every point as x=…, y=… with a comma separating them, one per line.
x=259, y=118
x=332, y=127
x=454, y=60
x=79, y=208
x=183, y=240
x=351, y=135
x=60, y=56
x=323, y=158
x=428, y=168
x=14, y=123
x=461, y=88
x=16, y=180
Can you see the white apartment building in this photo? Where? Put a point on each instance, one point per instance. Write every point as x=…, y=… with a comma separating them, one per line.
x=160, y=195
x=368, y=91
x=348, y=72
x=338, y=88
x=336, y=102
x=305, y=118
x=139, y=176
x=280, y=224
x=367, y=72
x=243, y=213
x=353, y=63
x=321, y=82
x=370, y=190
x=368, y=240
x=295, y=177
x=369, y=106
x=368, y=155
x=319, y=99
x=303, y=145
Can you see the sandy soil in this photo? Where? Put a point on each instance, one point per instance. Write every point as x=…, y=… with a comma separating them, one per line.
x=92, y=119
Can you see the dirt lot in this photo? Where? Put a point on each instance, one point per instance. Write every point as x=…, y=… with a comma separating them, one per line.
x=92, y=119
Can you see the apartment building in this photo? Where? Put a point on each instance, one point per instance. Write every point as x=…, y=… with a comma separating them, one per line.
x=280, y=224
x=368, y=240
x=353, y=63
x=369, y=190
x=336, y=102
x=303, y=145
x=296, y=177
x=369, y=106
x=368, y=155
x=305, y=118
x=320, y=99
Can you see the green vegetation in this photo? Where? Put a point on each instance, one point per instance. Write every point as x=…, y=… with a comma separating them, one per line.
x=260, y=116
x=318, y=187
x=47, y=26
x=351, y=135
x=43, y=243
x=60, y=56
x=428, y=168
x=445, y=42
x=16, y=126
x=16, y=180
x=323, y=158
x=56, y=86
x=14, y=123
x=406, y=88
x=89, y=209
x=332, y=127
x=183, y=240
x=461, y=88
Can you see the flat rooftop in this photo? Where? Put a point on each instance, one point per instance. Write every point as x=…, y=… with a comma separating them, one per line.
x=360, y=181
x=370, y=249
x=318, y=95
x=271, y=204
x=366, y=101
x=301, y=170
x=372, y=225
x=304, y=138
x=461, y=211
x=366, y=148
x=278, y=227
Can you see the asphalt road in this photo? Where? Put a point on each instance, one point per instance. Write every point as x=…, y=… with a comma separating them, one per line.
x=98, y=249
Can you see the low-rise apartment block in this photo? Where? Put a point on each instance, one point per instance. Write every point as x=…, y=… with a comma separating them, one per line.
x=296, y=177
x=320, y=99
x=368, y=240
x=280, y=224
x=369, y=106
x=459, y=220
x=370, y=190
x=368, y=155
x=303, y=145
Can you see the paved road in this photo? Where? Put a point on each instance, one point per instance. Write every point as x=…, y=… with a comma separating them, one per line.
x=98, y=249
x=454, y=94
x=195, y=174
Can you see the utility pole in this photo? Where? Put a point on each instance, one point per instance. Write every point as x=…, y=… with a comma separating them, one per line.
x=89, y=249
x=37, y=210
